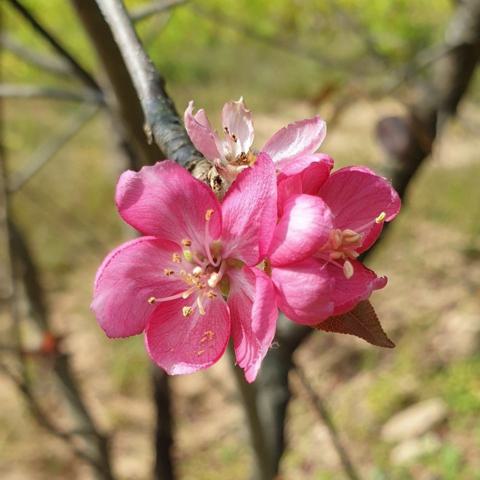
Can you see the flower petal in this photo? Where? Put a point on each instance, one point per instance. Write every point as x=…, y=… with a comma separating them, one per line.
x=314, y=169
x=304, y=291
x=200, y=132
x=249, y=213
x=237, y=119
x=164, y=200
x=299, y=138
x=254, y=315
x=305, y=174
x=302, y=229
x=357, y=196
x=127, y=278
x=349, y=292
x=181, y=344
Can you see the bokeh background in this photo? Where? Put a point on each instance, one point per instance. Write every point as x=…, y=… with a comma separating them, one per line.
x=408, y=413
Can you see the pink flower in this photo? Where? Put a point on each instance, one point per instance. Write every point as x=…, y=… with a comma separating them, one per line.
x=314, y=256
x=170, y=283
x=291, y=148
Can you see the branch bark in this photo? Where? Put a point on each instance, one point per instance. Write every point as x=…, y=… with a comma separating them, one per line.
x=121, y=94
x=162, y=121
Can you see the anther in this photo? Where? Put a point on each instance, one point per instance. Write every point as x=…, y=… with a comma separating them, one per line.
x=211, y=294
x=176, y=258
x=186, y=242
x=212, y=281
x=380, y=218
x=187, y=311
x=152, y=300
x=168, y=272
x=197, y=271
x=348, y=269
x=208, y=214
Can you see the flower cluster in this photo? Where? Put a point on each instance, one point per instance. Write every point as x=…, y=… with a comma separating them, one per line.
x=285, y=236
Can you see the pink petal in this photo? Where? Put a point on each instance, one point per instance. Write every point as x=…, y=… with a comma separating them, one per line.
x=357, y=196
x=127, y=278
x=302, y=229
x=164, y=200
x=254, y=315
x=181, y=344
x=249, y=213
x=349, y=292
x=238, y=120
x=299, y=138
x=304, y=291
x=305, y=174
x=315, y=169
x=200, y=132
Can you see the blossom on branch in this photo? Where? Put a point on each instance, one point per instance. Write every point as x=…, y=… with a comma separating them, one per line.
x=190, y=282
x=231, y=151
x=287, y=235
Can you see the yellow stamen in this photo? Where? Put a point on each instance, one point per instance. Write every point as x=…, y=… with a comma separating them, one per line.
x=348, y=269
x=211, y=294
x=152, y=300
x=197, y=271
x=380, y=218
x=187, y=311
x=187, y=254
x=212, y=281
x=176, y=258
x=168, y=272
x=208, y=214
x=186, y=242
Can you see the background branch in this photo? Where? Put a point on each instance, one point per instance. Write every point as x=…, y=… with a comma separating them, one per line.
x=81, y=73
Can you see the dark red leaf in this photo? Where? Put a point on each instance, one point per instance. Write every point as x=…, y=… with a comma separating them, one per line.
x=362, y=322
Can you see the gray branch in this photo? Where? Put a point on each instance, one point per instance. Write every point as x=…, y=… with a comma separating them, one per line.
x=45, y=62
x=81, y=73
x=162, y=121
x=49, y=149
x=35, y=91
x=145, y=11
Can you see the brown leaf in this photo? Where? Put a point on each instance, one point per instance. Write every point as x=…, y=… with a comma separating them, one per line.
x=362, y=322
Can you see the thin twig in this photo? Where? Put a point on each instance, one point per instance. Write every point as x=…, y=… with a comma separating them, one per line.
x=42, y=418
x=35, y=91
x=81, y=73
x=49, y=149
x=322, y=411
x=45, y=62
x=145, y=11
x=263, y=469
x=161, y=119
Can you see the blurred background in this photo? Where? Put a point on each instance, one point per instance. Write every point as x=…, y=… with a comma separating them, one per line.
x=408, y=413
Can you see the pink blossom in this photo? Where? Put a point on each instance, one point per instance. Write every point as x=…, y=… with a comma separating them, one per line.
x=170, y=283
x=292, y=148
x=315, y=270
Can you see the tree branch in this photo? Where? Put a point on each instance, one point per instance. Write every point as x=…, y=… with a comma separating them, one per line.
x=121, y=94
x=79, y=71
x=145, y=11
x=322, y=411
x=49, y=149
x=34, y=91
x=161, y=119
x=37, y=59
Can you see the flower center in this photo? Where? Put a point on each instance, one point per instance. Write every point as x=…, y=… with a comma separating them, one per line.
x=342, y=245
x=201, y=271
